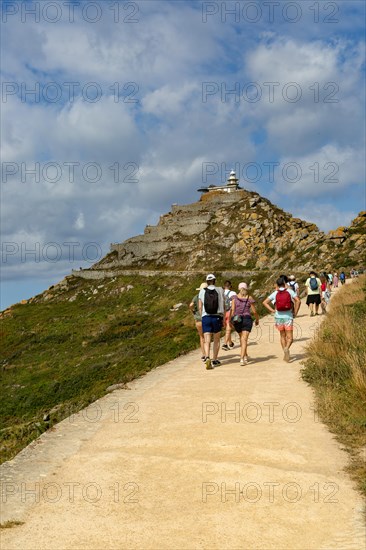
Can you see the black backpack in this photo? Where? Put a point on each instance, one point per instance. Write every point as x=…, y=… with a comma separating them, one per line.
x=211, y=301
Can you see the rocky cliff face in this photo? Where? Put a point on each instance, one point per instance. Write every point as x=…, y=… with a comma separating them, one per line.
x=237, y=230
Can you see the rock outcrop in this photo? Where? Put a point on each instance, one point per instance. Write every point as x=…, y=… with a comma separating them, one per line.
x=236, y=230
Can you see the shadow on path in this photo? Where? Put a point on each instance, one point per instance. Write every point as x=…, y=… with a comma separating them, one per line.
x=262, y=359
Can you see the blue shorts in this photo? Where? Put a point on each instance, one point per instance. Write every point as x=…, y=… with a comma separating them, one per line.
x=211, y=323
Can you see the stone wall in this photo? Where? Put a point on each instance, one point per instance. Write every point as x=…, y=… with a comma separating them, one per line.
x=104, y=274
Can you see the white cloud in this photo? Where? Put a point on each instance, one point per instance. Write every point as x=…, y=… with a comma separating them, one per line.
x=80, y=221
x=169, y=100
x=285, y=60
x=325, y=215
x=327, y=171
x=323, y=78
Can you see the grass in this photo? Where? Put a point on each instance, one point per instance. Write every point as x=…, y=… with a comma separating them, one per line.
x=64, y=355
x=336, y=368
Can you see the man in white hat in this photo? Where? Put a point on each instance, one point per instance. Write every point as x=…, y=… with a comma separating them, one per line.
x=211, y=307
x=194, y=307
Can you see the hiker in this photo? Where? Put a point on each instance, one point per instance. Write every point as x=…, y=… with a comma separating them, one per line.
x=335, y=280
x=287, y=305
x=228, y=294
x=294, y=285
x=342, y=277
x=193, y=306
x=325, y=296
x=313, y=287
x=211, y=308
x=242, y=305
x=330, y=280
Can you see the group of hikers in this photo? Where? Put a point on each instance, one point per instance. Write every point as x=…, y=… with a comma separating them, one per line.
x=216, y=308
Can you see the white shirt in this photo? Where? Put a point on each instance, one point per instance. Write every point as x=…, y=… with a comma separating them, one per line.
x=220, y=292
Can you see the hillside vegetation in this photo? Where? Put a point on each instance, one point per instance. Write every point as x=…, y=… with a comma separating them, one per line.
x=336, y=368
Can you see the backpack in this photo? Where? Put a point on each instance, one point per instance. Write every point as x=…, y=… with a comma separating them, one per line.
x=283, y=301
x=293, y=286
x=342, y=276
x=211, y=301
x=313, y=283
x=227, y=301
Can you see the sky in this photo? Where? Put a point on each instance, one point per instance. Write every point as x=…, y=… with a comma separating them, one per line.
x=113, y=111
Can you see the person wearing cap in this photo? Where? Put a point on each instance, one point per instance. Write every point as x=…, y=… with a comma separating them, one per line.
x=194, y=307
x=211, y=320
x=242, y=306
x=294, y=285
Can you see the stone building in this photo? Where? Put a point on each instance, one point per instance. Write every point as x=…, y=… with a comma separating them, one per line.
x=231, y=185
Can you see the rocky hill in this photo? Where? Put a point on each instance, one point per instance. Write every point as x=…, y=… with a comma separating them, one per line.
x=226, y=231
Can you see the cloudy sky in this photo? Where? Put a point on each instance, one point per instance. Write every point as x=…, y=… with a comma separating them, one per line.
x=112, y=111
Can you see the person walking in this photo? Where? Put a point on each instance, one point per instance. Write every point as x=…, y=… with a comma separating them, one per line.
x=194, y=307
x=342, y=277
x=211, y=308
x=294, y=285
x=335, y=280
x=287, y=305
x=313, y=287
x=242, y=305
x=228, y=294
x=325, y=296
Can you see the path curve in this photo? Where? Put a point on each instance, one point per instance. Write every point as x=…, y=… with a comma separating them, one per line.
x=233, y=458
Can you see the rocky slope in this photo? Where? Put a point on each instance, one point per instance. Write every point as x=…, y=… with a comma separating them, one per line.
x=238, y=230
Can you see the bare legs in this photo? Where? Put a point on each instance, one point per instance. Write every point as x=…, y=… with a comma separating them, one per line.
x=200, y=333
x=216, y=344
x=228, y=329
x=244, y=335
x=287, y=337
x=311, y=306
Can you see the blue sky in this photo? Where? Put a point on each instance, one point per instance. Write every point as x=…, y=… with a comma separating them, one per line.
x=112, y=111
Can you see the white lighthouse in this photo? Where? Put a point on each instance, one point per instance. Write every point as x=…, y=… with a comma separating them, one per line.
x=231, y=185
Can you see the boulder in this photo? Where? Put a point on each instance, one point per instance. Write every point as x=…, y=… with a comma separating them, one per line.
x=120, y=386
x=262, y=261
x=177, y=306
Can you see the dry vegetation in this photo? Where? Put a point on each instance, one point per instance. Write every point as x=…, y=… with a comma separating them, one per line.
x=336, y=368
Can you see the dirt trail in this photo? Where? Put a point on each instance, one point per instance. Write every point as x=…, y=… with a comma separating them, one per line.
x=233, y=458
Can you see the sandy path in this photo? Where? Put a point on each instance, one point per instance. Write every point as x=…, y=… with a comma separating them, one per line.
x=232, y=458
